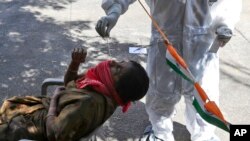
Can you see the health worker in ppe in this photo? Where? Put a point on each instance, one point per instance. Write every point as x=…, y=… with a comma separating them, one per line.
x=194, y=27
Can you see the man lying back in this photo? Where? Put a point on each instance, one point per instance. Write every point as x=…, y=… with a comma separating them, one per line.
x=76, y=110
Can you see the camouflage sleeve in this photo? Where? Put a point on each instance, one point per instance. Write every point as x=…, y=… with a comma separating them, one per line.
x=74, y=119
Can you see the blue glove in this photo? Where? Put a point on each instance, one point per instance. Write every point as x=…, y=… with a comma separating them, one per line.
x=224, y=34
x=106, y=23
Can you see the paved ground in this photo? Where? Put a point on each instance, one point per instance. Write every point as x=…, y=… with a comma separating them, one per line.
x=36, y=38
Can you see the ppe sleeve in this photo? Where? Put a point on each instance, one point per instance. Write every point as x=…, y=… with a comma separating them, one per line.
x=116, y=6
x=227, y=12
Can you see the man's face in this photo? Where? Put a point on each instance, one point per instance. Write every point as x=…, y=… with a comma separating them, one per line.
x=118, y=68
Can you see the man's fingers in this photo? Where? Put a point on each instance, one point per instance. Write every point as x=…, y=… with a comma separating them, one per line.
x=81, y=50
x=79, y=54
x=73, y=52
x=84, y=52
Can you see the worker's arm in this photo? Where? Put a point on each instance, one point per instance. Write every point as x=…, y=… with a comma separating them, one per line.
x=113, y=10
x=118, y=6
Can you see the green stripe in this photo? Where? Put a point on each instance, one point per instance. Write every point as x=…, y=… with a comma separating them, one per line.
x=177, y=70
x=209, y=118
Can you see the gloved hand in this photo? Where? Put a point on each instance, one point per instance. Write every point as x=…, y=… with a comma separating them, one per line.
x=106, y=23
x=224, y=34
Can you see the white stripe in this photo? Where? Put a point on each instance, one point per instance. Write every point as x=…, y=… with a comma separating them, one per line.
x=170, y=57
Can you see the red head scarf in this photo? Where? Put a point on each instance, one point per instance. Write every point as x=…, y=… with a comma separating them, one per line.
x=100, y=79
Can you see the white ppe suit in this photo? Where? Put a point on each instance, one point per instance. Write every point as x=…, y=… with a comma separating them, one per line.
x=190, y=26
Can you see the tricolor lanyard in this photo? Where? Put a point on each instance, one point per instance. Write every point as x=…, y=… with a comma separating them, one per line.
x=207, y=109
